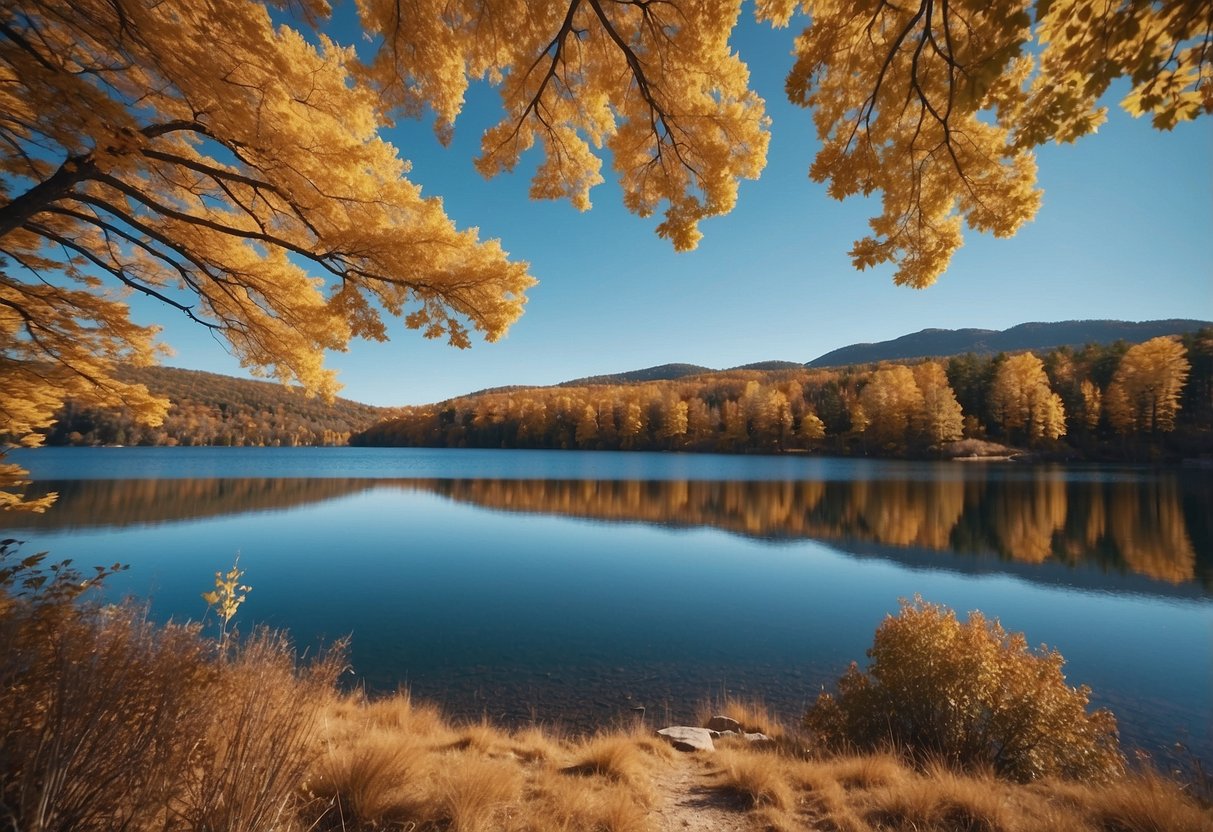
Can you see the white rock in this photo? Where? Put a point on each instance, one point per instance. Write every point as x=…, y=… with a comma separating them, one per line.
x=686, y=738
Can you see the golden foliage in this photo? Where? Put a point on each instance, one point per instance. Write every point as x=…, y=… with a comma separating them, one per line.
x=970, y=694
x=228, y=167
x=1161, y=47
x=890, y=401
x=654, y=83
x=227, y=596
x=229, y=163
x=1144, y=393
x=1023, y=402
x=937, y=104
x=912, y=101
x=941, y=419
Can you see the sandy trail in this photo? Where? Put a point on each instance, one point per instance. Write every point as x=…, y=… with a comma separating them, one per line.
x=687, y=803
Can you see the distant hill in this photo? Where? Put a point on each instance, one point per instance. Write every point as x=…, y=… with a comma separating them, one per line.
x=1029, y=336
x=662, y=372
x=212, y=409
x=769, y=366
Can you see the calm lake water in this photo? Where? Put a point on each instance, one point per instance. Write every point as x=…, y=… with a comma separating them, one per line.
x=571, y=587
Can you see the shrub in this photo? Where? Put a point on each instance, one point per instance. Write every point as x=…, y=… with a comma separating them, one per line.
x=969, y=694
x=108, y=721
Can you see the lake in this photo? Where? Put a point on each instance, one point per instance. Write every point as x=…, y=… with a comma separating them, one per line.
x=570, y=587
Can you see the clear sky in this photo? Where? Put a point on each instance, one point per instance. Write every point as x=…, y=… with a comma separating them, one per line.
x=1124, y=232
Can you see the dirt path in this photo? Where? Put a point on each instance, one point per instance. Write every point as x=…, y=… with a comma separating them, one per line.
x=686, y=802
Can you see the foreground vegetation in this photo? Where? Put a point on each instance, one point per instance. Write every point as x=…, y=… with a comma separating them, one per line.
x=110, y=722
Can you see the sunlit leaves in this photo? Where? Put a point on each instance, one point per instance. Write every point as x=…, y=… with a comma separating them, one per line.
x=1144, y=393
x=1163, y=48
x=232, y=169
x=940, y=419
x=907, y=101
x=890, y=401
x=971, y=694
x=937, y=104
x=227, y=596
x=655, y=83
x=1022, y=402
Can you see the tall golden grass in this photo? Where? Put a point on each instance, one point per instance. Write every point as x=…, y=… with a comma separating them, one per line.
x=108, y=721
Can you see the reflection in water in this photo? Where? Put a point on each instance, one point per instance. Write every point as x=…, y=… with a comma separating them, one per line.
x=86, y=504
x=1156, y=527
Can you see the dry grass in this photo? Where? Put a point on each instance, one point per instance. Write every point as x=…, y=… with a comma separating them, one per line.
x=753, y=715
x=616, y=757
x=1145, y=802
x=108, y=721
x=366, y=781
x=941, y=800
x=865, y=771
x=473, y=792
x=534, y=745
x=761, y=779
x=575, y=804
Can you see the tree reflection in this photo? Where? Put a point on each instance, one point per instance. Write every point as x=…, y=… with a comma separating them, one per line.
x=1154, y=526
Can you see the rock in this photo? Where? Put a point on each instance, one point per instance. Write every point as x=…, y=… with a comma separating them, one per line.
x=685, y=738
x=761, y=740
x=724, y=723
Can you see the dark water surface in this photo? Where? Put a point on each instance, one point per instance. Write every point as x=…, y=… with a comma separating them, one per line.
x=570, y=587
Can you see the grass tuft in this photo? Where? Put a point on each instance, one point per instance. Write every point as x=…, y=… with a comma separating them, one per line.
x=367, y=781
x=474, y=791
x=753, y=715
x=760, y=779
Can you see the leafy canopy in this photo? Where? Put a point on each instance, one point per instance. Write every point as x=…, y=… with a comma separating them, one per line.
x=225, y=157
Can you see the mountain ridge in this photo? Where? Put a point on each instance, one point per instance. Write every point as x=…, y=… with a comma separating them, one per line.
x=1033, y=335
x=926, y=343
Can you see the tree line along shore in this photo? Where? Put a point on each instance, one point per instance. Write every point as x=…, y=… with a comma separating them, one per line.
x=1152, y=400
x=1148, y=401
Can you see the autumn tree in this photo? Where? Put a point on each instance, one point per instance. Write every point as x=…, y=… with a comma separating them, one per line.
x=891, y=401
x=225, y=158
x=587, y=426
x=811, y=428
x=939, y=419
x=937, y=104
x=1197, y=402
x=1021, y=401
x=1144, y=393
x=1092, y=404
x=673, y=422
x=632, y=423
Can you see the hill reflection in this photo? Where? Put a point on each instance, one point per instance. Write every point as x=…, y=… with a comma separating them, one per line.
x=84, y=504
x=1158, y=527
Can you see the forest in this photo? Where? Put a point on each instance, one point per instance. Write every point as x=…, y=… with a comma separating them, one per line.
x=212, y=409
x=1150, y=401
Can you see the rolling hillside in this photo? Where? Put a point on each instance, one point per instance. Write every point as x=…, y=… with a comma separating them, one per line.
x=212, y=409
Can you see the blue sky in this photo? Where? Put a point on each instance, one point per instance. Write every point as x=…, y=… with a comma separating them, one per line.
x=1124, y=232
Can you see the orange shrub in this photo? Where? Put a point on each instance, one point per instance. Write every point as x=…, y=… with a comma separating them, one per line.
x=969, y=694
